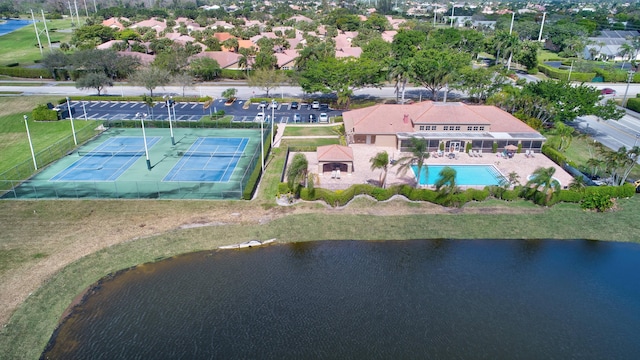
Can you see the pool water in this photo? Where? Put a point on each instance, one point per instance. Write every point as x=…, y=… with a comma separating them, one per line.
x=466, y=175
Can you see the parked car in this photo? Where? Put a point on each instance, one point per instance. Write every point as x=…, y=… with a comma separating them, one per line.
x=324, y=117
x=324, y=106
x=274, y=104
x=313, y=118
x=608, y=91
x=263, y=104
x=294, y=104
x=297, y=118
x=259, y=117
x=315, y=105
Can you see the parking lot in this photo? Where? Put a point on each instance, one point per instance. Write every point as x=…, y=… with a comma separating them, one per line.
x=301, y=112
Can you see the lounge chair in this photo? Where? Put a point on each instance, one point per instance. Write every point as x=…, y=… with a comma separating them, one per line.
x=479, y=153
x=338, y=174
x=526, y=153
x=333, y=174
x=531, y=153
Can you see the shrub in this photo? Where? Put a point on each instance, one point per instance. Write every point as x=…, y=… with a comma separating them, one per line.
x=597, y=200
x=25, y=72
x=283, y=188
x=570, y=196
x=553, y=154
x=43, y=113
x=494, y=147
x=477, y=195
x=633, y=104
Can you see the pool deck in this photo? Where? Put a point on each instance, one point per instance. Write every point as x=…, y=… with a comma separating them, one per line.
x=362, y=173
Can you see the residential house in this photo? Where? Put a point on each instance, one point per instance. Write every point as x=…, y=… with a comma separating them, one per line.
x=454, y=127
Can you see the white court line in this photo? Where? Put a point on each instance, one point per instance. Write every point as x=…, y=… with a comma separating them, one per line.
x=124, y=105
x=104, y=104
x=194, y=106
x=114, y=104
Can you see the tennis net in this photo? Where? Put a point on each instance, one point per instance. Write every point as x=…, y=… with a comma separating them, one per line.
x=111, y=153
x=209, y=154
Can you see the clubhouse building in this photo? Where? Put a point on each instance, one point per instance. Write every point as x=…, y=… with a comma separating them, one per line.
x=452, y=127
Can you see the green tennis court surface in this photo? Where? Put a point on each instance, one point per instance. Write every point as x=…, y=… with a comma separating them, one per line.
x=203, y=164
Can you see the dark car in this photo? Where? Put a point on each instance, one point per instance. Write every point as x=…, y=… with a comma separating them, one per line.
x=324, y=106
x=313, y=118
x=608, y=91
x=294, y=104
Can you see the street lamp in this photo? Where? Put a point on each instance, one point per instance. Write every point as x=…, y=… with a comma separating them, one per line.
x=262, y=143
x=33, y=155
x=168, y=103
x=142, y=116
x=629, y=78
x=73, y=129
x=273, y=103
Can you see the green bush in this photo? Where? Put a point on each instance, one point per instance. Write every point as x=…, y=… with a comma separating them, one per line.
x=634, y=104
x=532, y=71
x=570, y=196
x=509, y=195
x=494, y=147
x=43, y=113
x=233, y=74
x=25, y=72
x=283, y=188
x=562, y=74
x=12, y=65
x=252, y=184
x=597, y=200
x=553, y=154
x=477, y=195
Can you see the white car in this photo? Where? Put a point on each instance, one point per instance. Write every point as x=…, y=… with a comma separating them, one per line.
x=259, y=117
x=315, y=105
x=324, y=117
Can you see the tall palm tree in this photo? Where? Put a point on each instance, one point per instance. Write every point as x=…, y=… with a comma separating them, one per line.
x=297, y=172
x=419, y=153
x=381, y=161
x=446, y=183
x=400, y=72
x=543, y=178
x=626, y=50
x=566, y=135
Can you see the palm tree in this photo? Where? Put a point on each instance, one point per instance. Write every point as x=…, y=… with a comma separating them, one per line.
x=543, y=178
x=381, y=161
x=419, y=153
x=625, y=52
x=446, y=183
x=297, y=172
x=400, y=73
x=566, y=135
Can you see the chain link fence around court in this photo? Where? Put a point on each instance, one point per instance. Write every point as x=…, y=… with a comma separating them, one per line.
x=14, y=186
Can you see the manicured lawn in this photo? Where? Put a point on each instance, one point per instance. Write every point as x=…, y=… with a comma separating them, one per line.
x=294, y=130
x=309, y=142
x=14, y=145
x=21, y=46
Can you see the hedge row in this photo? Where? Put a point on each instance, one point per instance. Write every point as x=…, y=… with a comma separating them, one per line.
x=562, y=74
x=634, y=104
x=156, y=99
x=21, y=72
x=342, y=197
x=616, y=76
x=233, y=74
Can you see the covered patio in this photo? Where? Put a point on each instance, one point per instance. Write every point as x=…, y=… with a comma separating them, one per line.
x=334, y=157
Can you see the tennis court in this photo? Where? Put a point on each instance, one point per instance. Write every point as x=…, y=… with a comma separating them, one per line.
x=203, y=164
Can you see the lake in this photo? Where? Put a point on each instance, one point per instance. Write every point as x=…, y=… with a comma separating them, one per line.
x=7, y=26
x=475, y=299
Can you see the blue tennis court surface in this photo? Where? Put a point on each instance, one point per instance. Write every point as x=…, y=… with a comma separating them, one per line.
x=111, y=158
x=209, y=159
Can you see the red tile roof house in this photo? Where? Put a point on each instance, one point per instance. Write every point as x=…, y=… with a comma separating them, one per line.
x=453, y=124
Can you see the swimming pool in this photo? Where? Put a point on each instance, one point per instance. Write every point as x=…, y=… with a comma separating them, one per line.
x=466, y=175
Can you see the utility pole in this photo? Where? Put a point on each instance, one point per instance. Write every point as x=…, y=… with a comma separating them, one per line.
x=37, y=33
x=44, y=21
x=544, y=14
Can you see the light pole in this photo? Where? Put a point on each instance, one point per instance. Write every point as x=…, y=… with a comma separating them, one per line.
x=168, y=103
x=73, y=129
x=33, y=155
x=142, y=116
x=272, y=117
x=85, y=111
x=262, y=144
x=626, y=91
x=636, y=142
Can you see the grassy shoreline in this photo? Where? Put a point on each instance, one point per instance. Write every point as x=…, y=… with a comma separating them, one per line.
x=32, y=324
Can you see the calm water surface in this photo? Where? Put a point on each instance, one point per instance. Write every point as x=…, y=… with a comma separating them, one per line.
x=7, y=26
x=362, y=300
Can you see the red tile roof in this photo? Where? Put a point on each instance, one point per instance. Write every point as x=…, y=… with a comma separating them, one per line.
x=334, y=153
